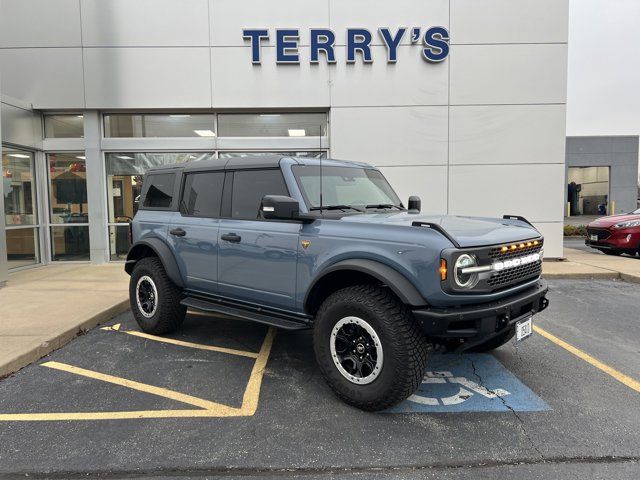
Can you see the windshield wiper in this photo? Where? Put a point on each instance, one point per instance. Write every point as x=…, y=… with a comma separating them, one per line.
x=337, y=207
x=384, y=205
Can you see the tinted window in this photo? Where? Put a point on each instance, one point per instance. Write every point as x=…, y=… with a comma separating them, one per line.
x=160, y=190
x=249, y=186
x=203, y=194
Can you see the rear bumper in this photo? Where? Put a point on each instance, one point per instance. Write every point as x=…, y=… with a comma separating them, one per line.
x=476, y=324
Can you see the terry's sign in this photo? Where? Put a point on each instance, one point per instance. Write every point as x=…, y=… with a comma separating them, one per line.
x=435, y=41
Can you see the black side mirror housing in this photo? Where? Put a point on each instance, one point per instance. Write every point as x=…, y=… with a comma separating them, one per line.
x=415, y=204
x=280, y=207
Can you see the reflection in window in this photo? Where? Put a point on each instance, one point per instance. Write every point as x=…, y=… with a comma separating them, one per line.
x=125, y=172
x=70, y=243
x=18, y=187
x=159, y=125
x=64, y=126
x=68, y=188
x=272, y=124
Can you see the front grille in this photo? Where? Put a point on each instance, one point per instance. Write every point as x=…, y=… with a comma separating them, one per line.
x=600, y=232
x=515, y=275
x=497, y=253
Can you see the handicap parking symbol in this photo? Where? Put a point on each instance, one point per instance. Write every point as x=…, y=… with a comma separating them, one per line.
x=470, y=383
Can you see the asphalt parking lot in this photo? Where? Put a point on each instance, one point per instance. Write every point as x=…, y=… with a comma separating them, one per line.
x=224, y=397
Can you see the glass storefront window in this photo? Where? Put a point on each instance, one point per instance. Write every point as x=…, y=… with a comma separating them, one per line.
x=64, y=126
x=159, y=125
x=124, y=178
x=18, y=187
x=68, y=188
x=272, y=124
x=119, y=242
x=70, y=243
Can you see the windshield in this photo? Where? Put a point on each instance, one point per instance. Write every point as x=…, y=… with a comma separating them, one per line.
x=345, y=187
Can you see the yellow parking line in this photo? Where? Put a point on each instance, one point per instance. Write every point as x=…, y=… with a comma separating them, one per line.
x=619, y=376
x=142, y=387
x=209, y=409
x=199, y=346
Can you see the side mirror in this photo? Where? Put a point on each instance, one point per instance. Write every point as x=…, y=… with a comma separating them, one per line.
x=415, y=204
x=280, y=207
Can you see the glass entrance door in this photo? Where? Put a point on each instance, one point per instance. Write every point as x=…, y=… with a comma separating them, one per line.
x=20, y=208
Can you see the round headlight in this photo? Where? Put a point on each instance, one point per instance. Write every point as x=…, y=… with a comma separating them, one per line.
x=465, y=280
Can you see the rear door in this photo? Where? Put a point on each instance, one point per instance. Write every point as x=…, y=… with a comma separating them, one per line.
x=194, y=232
x=257, y=260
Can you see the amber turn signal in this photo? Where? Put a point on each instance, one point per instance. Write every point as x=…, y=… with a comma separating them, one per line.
x=443, y=269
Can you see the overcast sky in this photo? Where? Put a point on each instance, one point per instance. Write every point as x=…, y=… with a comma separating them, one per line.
x=603, y=95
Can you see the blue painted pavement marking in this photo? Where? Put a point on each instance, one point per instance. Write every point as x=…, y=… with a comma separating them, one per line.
x=470, y=383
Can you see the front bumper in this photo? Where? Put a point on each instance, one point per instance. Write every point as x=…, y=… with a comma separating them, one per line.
x=476, y=324
x=625, y=239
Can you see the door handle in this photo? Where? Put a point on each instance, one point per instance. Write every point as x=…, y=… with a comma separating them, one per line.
x=178, y=232
x=231, y=237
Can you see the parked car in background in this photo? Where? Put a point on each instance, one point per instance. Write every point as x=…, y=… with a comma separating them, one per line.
x=615, y=234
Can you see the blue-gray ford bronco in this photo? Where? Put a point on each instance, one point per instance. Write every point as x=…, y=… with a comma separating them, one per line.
x=328, y=245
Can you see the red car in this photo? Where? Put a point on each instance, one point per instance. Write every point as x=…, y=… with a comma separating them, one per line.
x=616, y=234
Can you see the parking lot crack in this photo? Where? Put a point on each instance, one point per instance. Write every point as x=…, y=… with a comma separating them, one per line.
x=521, y=423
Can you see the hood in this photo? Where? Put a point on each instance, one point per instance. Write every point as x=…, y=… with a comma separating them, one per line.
x=605, y=222
x=467, y=231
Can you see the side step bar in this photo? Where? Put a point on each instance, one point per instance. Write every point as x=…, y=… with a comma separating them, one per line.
x=276, y=319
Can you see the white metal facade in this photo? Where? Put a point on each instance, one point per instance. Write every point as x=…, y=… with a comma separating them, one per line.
x=482, y=133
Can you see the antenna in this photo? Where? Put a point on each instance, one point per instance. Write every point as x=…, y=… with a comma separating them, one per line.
x=320, y=153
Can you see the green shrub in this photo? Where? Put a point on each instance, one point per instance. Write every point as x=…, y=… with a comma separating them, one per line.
x=575, y=230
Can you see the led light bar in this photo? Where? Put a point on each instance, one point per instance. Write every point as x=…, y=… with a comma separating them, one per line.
x=515, y=262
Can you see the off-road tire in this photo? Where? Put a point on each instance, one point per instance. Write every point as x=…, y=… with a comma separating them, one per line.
x=169, y=314
x=495, y=342
x=404, y=346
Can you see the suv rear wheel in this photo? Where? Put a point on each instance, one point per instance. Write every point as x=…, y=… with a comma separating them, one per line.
x=154, y=299
x=369, y=348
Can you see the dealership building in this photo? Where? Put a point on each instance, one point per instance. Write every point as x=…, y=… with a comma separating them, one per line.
x=461, y=102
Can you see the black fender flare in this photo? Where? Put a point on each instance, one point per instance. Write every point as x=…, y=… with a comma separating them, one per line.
x=162, y=251
x=396, y=281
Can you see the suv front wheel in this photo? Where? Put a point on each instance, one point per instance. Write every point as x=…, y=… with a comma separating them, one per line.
x=154, y=299
x=369, y=348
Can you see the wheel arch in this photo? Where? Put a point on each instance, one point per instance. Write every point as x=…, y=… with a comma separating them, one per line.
x=360, y=271
x=154, y=247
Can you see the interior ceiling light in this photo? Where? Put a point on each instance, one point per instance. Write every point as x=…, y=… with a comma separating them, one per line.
x=270, y=115
x=205, y=133
x=81, y=157
x=124, y=157
x=18, y=155
x=297, y=132
x=180, y=116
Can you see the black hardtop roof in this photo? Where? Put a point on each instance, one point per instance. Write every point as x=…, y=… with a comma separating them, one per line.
x=249, y=162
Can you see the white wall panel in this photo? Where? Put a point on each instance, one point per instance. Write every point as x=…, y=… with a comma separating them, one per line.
x=39, y=23
x=507, y=134
x=20, y=127
x=145, y=23
x=147, y=77
x=373, y=14
x=512, y=74
x=533, y=191
x=229, y=17
x=388, y=136
x=239, y=83
x=429, y=183
x=410, y=81
x=509, y=21
x=553, y=238
x=45, y=77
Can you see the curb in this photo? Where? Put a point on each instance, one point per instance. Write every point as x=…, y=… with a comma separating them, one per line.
x=606, y=275
x=61, y=339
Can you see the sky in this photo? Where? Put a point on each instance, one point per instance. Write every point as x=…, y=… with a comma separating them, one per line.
x=603, y=92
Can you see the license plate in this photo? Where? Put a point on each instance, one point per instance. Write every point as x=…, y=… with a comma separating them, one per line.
x=524, y=329
x=594, y=238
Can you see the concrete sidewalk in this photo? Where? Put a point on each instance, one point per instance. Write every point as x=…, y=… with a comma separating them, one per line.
x=43, y=308
x=582, y=264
